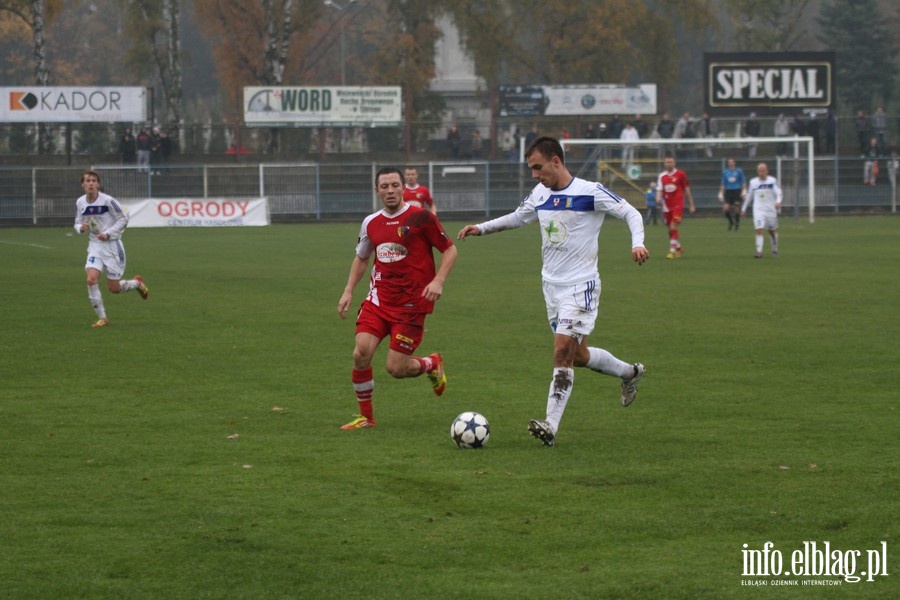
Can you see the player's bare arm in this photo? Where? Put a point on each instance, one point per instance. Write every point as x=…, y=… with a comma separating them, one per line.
x=357, y=270
x=435, y=288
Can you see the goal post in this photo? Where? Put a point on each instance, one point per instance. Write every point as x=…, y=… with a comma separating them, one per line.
x=702, y=156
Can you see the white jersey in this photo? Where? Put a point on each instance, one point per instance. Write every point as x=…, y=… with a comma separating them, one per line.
x=763, y=194
x=570, y=220
x=104, y=215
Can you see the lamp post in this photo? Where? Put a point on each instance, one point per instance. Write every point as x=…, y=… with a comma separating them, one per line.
x=341, y=10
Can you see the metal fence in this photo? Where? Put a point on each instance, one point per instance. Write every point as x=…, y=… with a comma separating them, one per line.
x=333, y=191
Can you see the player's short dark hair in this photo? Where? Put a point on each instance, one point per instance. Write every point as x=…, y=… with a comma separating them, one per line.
x=90, y=172
x=547, y=146
x=387, y=171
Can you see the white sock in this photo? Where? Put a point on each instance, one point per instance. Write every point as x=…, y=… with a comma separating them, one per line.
x=96, y=301
x=560, y=390
x=774, y=241
x=603, y=362
x=759, y=243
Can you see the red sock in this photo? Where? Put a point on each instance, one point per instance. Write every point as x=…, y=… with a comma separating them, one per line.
x=364, y=385
x=425, y=364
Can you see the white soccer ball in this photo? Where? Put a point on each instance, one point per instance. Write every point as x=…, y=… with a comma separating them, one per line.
x=470, y=430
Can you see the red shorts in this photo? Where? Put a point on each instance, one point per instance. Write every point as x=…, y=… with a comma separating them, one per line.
x=405, y=328
x=673, y=215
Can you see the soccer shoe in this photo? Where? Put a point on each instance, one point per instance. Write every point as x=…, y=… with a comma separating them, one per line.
x=542, y=431
x=360, y=422
x=142, y=288
x=101, y=323
x=679, y=252
x=775, y=253
x=670, y=256
x=757, y=255
x=629, y=386
x=436, y=375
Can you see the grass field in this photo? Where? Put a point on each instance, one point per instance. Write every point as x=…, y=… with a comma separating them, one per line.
x=192, y=449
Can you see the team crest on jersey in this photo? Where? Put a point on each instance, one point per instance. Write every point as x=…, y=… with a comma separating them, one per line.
x=556, y=202
x=390, y=252
x=402, y=231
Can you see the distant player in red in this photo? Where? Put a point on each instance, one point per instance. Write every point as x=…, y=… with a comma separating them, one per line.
x=415, y=194
x=671, y=188
x=403, y=287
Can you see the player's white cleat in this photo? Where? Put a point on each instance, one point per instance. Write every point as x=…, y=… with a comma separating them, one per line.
x=629, y=386
x=542, y=431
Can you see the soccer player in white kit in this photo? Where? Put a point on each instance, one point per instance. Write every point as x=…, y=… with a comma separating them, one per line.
x=102, y=216
x=571, y=212
x=764, y=194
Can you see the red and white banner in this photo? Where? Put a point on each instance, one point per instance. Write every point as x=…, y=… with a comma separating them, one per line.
x=197, y=212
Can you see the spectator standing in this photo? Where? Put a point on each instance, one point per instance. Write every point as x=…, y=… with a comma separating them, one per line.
x=401, y=292
x=142, y=142
x=751, y=130
x=128, y=147
x=709, y=129
x=101, y=215
x=165, y=148
x=863, y=131
x=830, y=133
x=155, y=151
x=870, y=166
x=879, y=129
x=571, y=212
x=666, y=130
x=672, y=187
x=641, y=126
x=616, y=126
x=629, y=134
x=764, y=194
x=531, y=136
x=476, y=144
x=812, y=129
x=782, y=129
x=453, y=141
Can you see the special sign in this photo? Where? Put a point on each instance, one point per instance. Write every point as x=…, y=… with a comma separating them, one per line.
x=336, y=106
x=768, y=82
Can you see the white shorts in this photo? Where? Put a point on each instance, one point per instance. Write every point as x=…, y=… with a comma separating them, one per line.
x=765, y=221
x=572, y=309
x=107, y=256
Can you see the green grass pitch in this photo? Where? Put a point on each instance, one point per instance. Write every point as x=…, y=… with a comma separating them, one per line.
x=192, y=449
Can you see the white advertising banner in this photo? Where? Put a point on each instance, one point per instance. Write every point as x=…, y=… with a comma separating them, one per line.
x=72, y=104
x=600, y=99
x=197, y=212
x=335, y=106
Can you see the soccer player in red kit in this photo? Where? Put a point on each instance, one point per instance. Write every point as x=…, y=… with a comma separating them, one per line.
x=403, y=287
x=415, y=194
x=671, y=188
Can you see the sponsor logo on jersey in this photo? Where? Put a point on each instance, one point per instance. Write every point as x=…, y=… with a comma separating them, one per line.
x=390, y=252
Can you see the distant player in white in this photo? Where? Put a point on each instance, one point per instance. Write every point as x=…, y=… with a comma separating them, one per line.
x=101, y=215
x=570, y=211
x=764, y=194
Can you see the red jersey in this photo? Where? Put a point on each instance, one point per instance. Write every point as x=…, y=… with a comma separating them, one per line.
x=673, y=185
x=418, y=196
x=404, y=262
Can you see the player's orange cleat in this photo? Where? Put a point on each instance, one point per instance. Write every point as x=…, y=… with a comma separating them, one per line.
x=360, y=422
x=142, y=288
x=436, y=375
x=101, y=323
